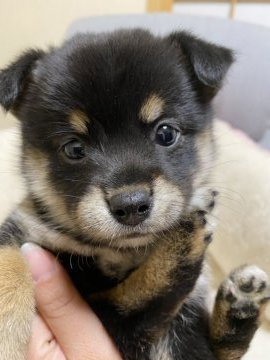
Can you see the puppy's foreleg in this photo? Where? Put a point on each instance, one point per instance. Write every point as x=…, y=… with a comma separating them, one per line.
x=16, y=304
x=239, y=305
x=141, y=307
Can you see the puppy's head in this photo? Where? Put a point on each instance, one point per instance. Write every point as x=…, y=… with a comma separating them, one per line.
x=116, y=130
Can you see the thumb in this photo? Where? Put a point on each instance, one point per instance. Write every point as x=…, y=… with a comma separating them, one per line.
x=75, y=326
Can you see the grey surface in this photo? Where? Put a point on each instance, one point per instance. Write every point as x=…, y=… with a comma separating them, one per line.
x=245, y=99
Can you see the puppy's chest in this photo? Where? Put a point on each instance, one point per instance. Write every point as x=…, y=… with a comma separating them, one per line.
x=105, y=269
x=116, y=264
x=93, y=268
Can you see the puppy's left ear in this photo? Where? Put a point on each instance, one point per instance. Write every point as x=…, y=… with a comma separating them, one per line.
x=209, y=62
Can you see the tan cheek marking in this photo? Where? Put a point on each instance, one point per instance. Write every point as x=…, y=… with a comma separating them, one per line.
x=37, y=173
x=92, y=208
x=152, y=108
x=168, y=203
x=79, y=121
x=17, y=303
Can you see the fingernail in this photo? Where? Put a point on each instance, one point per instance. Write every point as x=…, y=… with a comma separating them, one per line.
x=41, y=263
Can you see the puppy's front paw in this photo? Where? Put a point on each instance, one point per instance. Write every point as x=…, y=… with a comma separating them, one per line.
x=203, y=205
x=246, y=290
x=203, y=199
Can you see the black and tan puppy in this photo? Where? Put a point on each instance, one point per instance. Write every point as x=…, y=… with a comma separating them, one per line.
x=117, y=147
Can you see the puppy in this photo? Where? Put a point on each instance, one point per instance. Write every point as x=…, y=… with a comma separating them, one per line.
x=116, y=154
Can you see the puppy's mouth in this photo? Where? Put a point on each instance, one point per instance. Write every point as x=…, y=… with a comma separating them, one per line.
x=121, y=237
x=135, y=234
x=132, y=218
x=135, y=241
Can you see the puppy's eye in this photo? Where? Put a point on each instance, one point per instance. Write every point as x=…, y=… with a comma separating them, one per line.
x=166, y=135
x=74, y=150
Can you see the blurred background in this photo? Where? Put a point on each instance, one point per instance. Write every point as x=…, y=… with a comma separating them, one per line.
x=39, y=23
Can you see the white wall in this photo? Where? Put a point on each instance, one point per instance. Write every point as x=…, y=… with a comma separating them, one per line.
x=254, y=13
x=39, y=23
x=26, y=23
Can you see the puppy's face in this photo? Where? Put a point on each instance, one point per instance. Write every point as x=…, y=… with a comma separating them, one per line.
x=116, y=131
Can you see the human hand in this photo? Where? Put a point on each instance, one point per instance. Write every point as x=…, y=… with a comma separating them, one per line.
x=65, y=326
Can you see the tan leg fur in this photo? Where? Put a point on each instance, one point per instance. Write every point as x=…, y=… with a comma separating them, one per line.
x=156, y=274
x=239, y=306
x=17, y=304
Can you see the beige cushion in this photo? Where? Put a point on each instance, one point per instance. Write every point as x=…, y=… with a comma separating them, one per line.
x=11, y=189
x=242, y=175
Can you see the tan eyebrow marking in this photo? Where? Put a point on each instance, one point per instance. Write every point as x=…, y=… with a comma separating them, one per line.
x=79, y=120
x=152, y=108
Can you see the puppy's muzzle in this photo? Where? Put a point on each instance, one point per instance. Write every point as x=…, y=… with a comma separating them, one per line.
x=131, y=207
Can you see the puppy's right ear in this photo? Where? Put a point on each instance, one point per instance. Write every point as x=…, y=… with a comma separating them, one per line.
x=14, y=78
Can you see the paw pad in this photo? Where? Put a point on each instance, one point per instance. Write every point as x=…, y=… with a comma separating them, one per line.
x=246, y=289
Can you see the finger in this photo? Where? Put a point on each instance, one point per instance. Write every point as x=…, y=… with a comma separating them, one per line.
x=75, y=326
x=43, y=345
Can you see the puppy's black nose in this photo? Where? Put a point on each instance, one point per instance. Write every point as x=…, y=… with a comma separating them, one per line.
x=131, y=208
